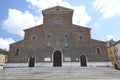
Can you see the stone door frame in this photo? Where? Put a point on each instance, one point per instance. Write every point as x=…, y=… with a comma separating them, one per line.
x=61, y=57
x=31, y=61
x=81, y=61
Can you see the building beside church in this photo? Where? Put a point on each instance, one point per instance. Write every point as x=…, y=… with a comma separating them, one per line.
x=3, y=58
x=57, y=41
x=114, y=53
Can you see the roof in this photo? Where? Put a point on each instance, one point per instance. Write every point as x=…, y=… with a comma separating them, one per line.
x=98, y=40
x=116, y=42
x=33, y=27
x=81, y=26
x=57, y=8
x=3, y=51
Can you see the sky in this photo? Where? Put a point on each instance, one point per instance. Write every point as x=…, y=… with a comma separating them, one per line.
x=102, y=16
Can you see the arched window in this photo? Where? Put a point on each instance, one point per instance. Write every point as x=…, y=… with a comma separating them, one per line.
x=66, y=40
x=98, y=50
x=17, y=51
x=48, y=41
x=81, y=37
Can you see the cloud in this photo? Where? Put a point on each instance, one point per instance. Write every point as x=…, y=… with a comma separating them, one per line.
x=96, y=27
x=108, y=8
x=17, y=21
x=4, y=43
x=80, y=16
x=43, y=4
x=109, y=37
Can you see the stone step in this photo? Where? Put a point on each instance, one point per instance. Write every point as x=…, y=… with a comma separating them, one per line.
x=60, y=73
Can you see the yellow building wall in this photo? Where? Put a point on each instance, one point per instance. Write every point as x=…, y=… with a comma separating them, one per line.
x=3, y=59
x=112, y=55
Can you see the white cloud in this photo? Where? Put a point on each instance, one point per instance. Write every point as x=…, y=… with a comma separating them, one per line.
x=109, y=37
x=108, y=8
x=4, y=43
x=80, y=16
x=43, y=4
x=96, y=27
x=17, y=21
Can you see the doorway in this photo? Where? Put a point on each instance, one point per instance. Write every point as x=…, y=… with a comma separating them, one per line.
x=83, y=61
x=115, y=66
x=57, y=59
x=31, y=61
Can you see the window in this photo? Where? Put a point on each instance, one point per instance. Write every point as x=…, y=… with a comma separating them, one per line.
x=81, y=37
x=66, y=40
x=117, y=50
x=111, y=58
x=33, y=37
x=17, y=51
x=48, y=41
x=98, y=50
x=114, y=50
x=118, y=57
x=110, y=52
x=57, y=9
x=57, y=22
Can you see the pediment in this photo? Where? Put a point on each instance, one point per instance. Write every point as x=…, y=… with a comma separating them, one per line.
x=57, y=8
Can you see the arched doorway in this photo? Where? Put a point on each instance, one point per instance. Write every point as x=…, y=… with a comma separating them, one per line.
x=57, y=59
x=31, y=61
x=83, y=61
x=115, y=66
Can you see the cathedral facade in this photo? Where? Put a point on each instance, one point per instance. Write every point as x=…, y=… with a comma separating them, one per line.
x=57, y=41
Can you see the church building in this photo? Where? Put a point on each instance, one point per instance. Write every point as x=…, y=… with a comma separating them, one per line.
x=58, y=41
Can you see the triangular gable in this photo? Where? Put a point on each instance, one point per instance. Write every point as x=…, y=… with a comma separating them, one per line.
x=57, y=8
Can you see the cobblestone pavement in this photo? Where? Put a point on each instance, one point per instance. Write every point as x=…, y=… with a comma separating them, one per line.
x=60, y=73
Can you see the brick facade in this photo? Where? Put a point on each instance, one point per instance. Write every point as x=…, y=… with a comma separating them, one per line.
x=57, y=23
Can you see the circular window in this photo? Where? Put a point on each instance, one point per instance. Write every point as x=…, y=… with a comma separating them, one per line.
x=57, y=21
x=33, y=37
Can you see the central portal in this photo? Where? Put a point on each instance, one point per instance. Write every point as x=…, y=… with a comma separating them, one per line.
x=57, y=59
